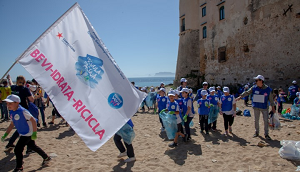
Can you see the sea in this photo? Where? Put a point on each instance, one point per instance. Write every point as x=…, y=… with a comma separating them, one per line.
x=151, y=81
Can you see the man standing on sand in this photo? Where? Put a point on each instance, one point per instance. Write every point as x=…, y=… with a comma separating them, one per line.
x=261, y=94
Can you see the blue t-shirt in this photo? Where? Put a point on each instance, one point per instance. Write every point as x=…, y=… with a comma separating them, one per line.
x=173, y=106
x=21, y=119
x=227, y=102
x=260, y=97
x=293, y=90
x=220, y=93
x=162, y=102
x=180, y=103
x=213, y=99
x=198, y=95
x=202, y=106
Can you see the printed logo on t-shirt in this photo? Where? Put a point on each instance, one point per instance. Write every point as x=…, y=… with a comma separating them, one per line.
x=163, y=100
x=17, y=117
x=223, y=98
x=229, y=99
x=173, y=107
x=209, y=98
x=200, y=103
x=216, y=98
x=266, y=94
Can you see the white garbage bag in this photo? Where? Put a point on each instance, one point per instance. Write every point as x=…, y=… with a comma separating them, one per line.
x=290, y=150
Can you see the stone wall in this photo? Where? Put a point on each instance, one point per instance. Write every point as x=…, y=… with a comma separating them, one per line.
x=257, y=39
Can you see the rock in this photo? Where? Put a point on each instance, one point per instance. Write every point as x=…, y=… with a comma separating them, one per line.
x=147, y=135
x=292, y=126
x=213, y=160
x=52, y=155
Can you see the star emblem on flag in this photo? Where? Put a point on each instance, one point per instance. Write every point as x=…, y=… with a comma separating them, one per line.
x=59, y=35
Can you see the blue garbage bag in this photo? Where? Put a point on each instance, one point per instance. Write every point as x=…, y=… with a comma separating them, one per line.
x=150, y=99
x=247, y=113
x=213, y=114
x=170, y=124
x=142, y=104
x=191, y=123
x=127, y=133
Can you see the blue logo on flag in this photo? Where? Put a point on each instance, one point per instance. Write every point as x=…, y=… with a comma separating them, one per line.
x=89, y=70
x=115, y=100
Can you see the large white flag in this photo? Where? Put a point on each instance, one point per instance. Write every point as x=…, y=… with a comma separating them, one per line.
x=87, y=87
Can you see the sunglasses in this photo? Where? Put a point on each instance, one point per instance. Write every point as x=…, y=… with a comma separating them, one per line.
x=258, y=80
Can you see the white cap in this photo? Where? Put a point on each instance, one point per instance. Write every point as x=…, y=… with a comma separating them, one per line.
x=143, y=88
x=162, y=89
x=218, y=86
x=259, y=77
x=191, y=90
x=298, y=94
x=171, y=93
x=177, y=92
x=294, y=82
x=183, y=80
x=162, y=83
x=225, y=89
x=246, y=86
x=211, y=89
x=204, y=83
x=203, y=92
x=185, y=90
x=12, y=98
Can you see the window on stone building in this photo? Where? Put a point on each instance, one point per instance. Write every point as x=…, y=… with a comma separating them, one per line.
x=222, y=54
x=203, y=11
x=222, y=13
x=204, y=31
x=183, y=25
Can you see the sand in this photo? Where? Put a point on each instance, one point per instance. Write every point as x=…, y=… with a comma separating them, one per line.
x=214, y=152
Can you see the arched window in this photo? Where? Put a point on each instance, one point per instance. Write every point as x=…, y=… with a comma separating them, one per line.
x=222, y=13
x=204, y=32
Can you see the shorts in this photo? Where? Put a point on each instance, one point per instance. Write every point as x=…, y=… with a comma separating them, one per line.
x=179, y=127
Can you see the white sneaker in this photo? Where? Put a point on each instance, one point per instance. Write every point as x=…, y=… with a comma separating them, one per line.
x=122, y=154
x=130, y=159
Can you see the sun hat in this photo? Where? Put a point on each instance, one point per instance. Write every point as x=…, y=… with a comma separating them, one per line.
x=259, y=77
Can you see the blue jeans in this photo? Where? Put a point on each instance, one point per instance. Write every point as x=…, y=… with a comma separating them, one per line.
x=42, y=113
x=4, y=109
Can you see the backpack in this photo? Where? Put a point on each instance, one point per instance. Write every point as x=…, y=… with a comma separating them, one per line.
x=247, y=113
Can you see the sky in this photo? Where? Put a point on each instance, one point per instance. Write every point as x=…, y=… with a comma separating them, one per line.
x=141, y=35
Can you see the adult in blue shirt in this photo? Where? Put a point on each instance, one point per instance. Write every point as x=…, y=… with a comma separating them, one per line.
x=205, y=87
x=261, y=96
x=293, y=90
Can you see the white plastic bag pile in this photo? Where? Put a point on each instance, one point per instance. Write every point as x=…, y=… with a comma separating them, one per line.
x=290, y=150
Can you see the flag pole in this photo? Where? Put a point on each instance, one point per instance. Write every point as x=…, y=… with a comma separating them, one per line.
x=17, y=60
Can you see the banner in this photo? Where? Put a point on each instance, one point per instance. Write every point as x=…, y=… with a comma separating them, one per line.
x=87, y=87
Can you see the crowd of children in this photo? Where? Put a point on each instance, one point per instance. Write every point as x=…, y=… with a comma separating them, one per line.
x=179, y=102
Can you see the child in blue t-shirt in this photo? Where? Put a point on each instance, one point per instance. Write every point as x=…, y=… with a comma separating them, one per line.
x=214, y=100
x=173, y=108
x=228, y=110
x=161, y=103
x=203, y=111
x=26, y=126
x=188, y=113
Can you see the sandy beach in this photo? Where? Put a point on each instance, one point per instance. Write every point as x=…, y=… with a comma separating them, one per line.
x=213, y=152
